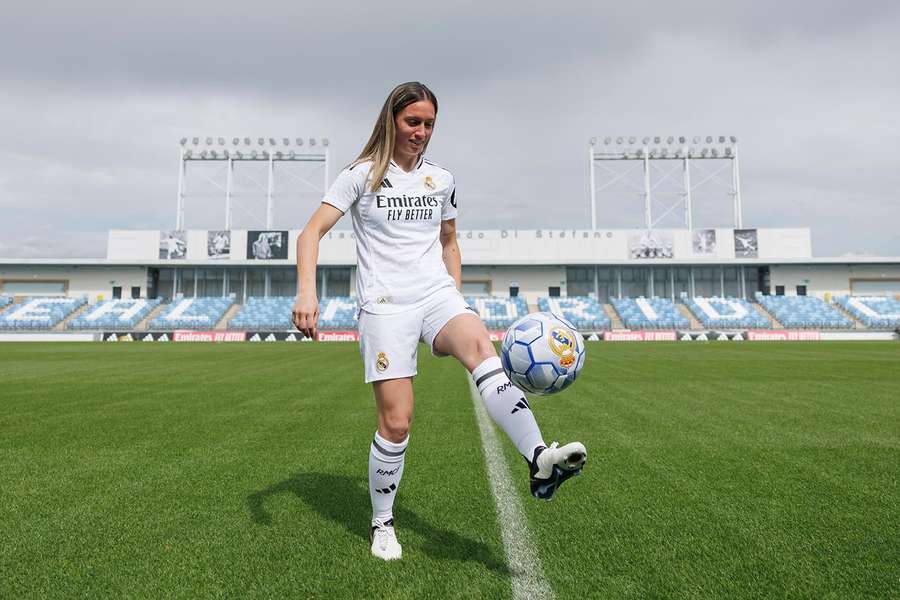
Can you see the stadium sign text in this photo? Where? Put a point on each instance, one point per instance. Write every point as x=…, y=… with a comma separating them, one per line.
x=783, y=335
x=208, y=336
x=640, y=336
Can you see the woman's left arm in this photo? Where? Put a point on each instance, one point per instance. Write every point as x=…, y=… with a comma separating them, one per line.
x=450, y=253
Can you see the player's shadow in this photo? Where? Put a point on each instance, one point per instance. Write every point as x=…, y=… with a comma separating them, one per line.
x=343, y=500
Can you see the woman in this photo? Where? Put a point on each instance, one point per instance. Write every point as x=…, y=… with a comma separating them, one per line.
x=407, y=282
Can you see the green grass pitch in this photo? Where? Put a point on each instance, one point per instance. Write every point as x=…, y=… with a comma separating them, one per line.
x=715, y=470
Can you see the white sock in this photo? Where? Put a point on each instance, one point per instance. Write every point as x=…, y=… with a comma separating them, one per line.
x=508, y=407
x=385, y=471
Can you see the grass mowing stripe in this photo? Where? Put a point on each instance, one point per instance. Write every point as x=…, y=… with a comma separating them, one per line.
x=524, y=564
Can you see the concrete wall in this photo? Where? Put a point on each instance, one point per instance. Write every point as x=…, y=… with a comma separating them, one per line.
x=495, y=246
x=95, y=282
x=533, y=281
x=822, y=279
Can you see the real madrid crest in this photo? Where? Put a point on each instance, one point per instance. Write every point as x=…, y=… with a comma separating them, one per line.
x=429, y=182
x=562, y=344
x=382, y=363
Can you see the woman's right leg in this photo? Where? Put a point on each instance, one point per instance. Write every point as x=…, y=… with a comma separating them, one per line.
x=388, y=344
x=386, y=457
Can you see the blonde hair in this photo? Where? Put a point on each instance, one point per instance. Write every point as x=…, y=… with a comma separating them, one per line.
x=380, y=147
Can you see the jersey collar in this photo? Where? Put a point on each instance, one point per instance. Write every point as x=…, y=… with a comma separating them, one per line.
x=418, y=165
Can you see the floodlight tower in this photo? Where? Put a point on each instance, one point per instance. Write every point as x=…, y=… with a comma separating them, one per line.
x=296, y=159
x=659, y=162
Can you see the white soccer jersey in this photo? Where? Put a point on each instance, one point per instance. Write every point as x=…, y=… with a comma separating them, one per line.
x=397, y=227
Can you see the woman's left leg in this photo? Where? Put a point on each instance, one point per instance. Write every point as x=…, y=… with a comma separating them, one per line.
x=465, y=338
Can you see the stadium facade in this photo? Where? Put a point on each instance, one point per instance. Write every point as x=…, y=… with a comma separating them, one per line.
x=613, y=263
x=666, y=279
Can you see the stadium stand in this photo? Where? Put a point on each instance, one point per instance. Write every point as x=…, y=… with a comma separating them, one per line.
x=39, y=313
x=877, y=312
x=726, y=313
x=584, y=312
x=5, y=300
x=498, y=313
x=114, y=314
x=192, y=313
x=336, y=312
x=649, y=313
x=804, y=312
x=265, y=313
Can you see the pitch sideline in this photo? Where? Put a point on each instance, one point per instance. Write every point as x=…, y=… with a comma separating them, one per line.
x=527, y=573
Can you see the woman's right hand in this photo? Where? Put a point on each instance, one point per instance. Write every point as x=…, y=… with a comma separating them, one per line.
x=305, y=314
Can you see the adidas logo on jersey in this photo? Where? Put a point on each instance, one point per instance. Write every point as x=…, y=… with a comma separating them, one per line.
x=522, y=404
x=386, y=183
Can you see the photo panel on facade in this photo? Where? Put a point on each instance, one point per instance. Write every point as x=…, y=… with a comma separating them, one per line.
x=267, y=245
x=704, y=242
x=651, y=244
x=746, y=243
x=218, y=244
x=173, y=244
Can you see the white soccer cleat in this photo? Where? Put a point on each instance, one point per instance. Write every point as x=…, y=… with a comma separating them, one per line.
x=384, y=540
x=551, y=466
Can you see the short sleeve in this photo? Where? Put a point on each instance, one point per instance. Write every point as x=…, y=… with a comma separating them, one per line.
x=346, y=189
x=449, y=209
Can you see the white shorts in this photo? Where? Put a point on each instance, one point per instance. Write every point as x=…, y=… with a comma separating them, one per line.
x=389, y=343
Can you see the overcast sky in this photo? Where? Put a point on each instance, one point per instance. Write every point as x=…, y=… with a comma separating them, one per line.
x=94, y=97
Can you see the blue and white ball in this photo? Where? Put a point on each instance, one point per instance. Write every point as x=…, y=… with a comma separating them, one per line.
x=542, y=353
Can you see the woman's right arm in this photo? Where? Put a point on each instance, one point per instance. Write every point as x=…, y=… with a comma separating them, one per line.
x=306, y=306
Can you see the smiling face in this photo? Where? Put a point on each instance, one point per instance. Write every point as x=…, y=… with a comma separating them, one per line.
x=413, y=125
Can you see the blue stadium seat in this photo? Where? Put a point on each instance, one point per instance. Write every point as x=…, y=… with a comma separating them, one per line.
x=498, y=313
x=193, y=313
x=726, y=313
x=335, y=312
x=584, y=312
x=877, y=312
x=804, y=312
x=39, y=313
x=114, y=314
x=649, y=313
x=264, y=313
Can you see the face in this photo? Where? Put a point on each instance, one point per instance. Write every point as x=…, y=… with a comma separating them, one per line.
x=414, y=125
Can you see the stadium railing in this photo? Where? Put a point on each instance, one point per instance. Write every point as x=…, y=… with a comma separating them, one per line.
x=498, y=313
x=39, y=313
x=584, y=312
x=649, y=313
x=877, y=312
x=726, y=313
x=193, y=313
x=804, y=312
x=118, y=314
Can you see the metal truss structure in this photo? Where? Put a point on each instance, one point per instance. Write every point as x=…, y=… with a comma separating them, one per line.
x=244, y=172
x=665, y=175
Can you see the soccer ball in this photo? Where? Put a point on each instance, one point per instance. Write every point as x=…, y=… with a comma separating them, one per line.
x=542, y=353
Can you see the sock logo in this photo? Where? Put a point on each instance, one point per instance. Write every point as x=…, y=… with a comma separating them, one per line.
x=522, y=404
x=504, y=387
x=386, y=490
x=383, y=472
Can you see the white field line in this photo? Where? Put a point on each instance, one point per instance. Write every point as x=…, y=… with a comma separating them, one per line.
x=524, y=564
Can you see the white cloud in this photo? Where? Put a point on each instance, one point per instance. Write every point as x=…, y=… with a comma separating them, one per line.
x=92, y=115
